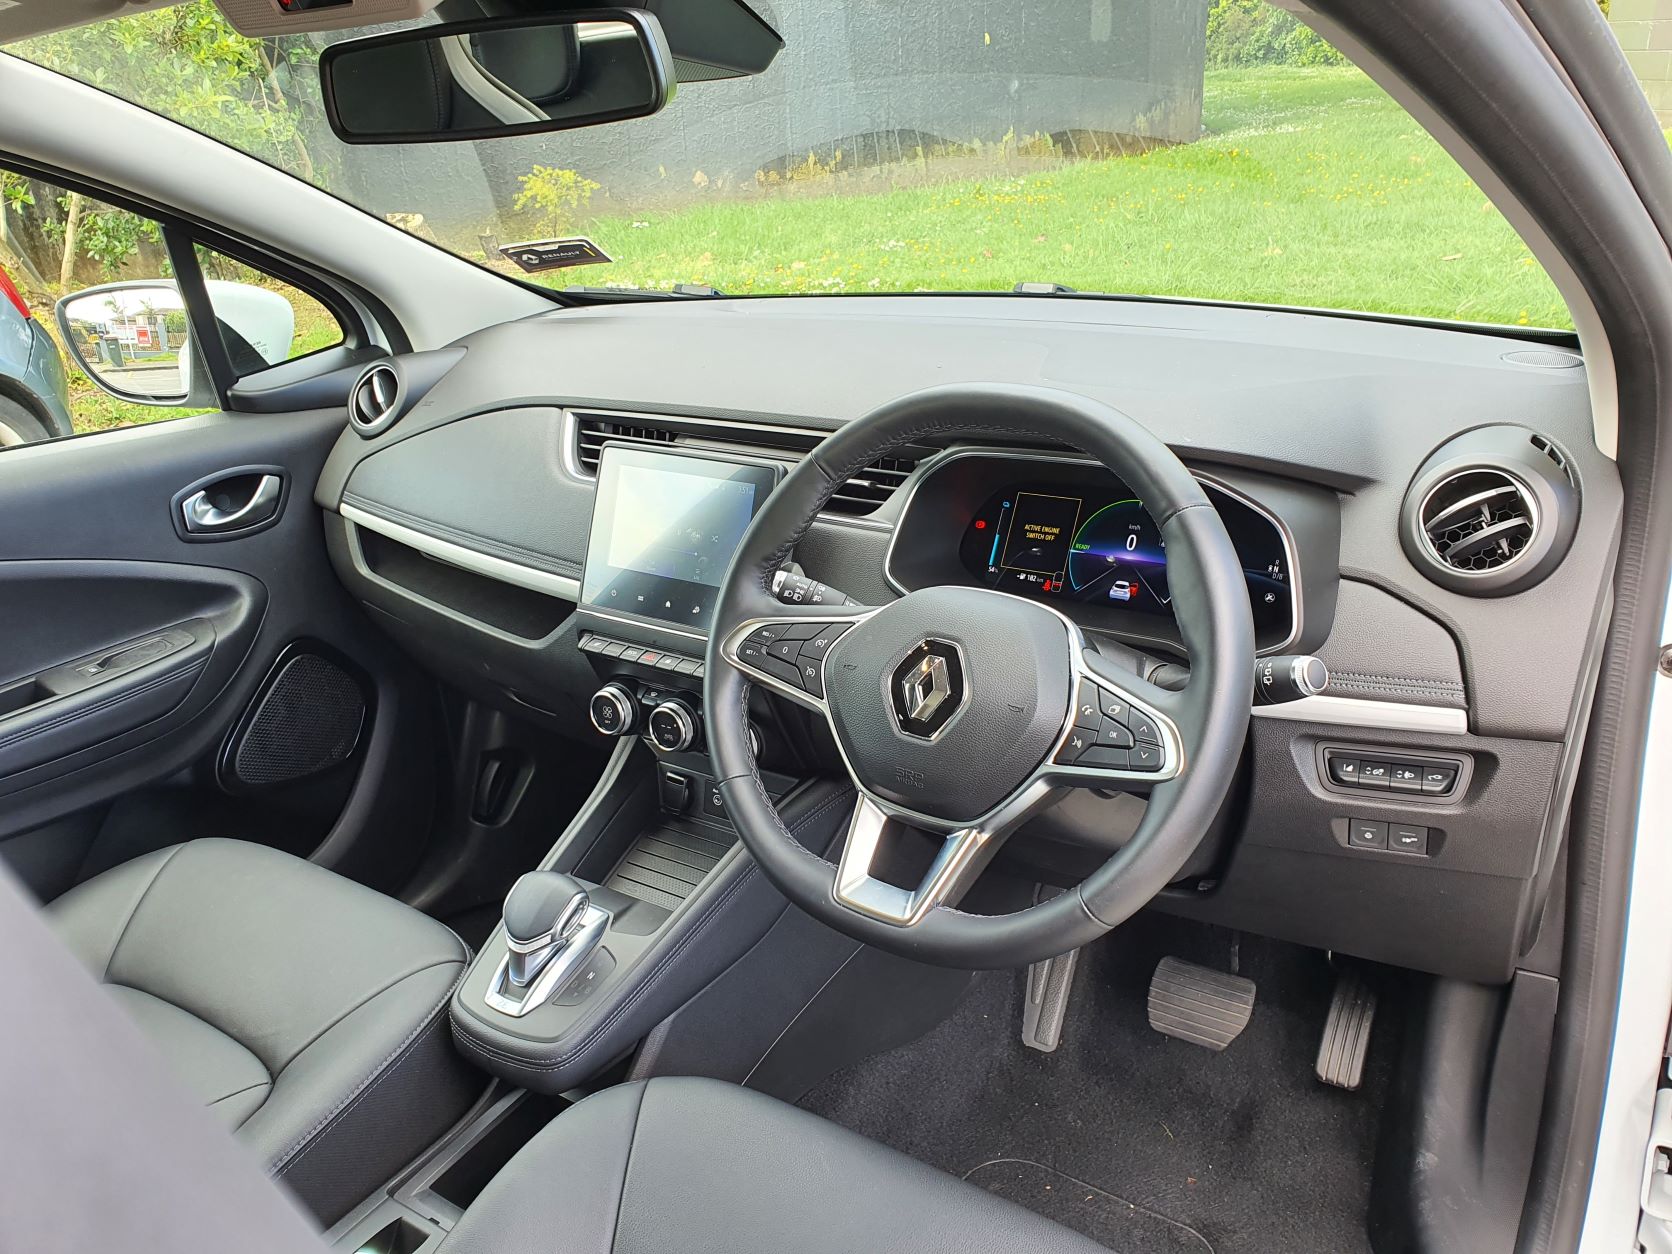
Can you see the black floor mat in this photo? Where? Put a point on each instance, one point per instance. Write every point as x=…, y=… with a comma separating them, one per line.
x=1110, y=1220
x=1144, y=1143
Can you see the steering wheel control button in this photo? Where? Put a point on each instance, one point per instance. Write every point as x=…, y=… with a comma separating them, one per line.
x=1404, y=838
x=1114, y=707
x=1106, y=758
x=1113, y=735
x=1143, y=757
x=1367, y=834
x=784, y=650
x=1143, y=728
x=812, y=676
x=785, y=672
x=1079, y=742
x=828, y=634
x=1088, y=705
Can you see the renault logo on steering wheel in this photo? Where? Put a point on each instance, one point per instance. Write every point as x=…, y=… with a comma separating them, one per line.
x=927, y=689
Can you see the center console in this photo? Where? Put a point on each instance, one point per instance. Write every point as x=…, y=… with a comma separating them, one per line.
x=647, y=896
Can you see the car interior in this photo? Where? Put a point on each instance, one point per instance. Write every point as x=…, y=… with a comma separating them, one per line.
x=918, y=771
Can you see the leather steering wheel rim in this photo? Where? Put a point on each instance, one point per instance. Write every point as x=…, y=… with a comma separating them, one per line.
x=1210, y=601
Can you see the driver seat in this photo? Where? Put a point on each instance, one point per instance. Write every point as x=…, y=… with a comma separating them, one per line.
x=692, y=1166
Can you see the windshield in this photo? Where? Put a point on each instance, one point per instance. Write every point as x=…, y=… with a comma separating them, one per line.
x=1195, y=148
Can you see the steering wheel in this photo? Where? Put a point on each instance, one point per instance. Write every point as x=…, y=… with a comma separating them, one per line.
x=962, y=711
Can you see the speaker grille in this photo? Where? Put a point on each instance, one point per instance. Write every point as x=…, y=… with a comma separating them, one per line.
x=308, y=720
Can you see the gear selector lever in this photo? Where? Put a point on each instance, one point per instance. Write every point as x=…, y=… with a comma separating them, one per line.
x=551, y=928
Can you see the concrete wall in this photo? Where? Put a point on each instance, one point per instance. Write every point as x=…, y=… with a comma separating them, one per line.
x=1644, y=29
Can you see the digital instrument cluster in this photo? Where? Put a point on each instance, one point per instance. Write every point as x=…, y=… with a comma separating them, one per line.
x=1057, y=542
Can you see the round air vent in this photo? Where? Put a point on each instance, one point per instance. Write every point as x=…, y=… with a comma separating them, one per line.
x=374, y=402
x=1477, y=521
x=1491, y=512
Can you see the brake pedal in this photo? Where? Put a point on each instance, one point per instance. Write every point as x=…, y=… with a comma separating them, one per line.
x=1198, y=1004
x=1346, y=1041
x=1046, y=1007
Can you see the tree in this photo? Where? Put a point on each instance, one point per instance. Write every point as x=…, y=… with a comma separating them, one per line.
x=188, y=64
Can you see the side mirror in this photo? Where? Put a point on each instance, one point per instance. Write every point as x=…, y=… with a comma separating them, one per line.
x=258, y=326
x=497, y=76
x=133, y=339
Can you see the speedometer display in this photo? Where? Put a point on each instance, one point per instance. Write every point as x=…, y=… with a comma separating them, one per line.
x=1104, y=549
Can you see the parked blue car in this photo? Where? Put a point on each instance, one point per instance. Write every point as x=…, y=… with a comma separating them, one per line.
x=34, y=396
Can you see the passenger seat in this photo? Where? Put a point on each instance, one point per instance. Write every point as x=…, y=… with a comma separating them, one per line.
x=306, y=1011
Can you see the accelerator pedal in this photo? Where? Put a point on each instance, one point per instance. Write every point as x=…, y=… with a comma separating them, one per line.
x=1198, y=1004
x=1046, y=1007
x=1346, y=1041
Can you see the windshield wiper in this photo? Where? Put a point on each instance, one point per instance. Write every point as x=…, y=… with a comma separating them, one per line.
x=680, y=291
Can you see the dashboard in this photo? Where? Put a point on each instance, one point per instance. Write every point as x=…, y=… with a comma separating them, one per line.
x=1345, y=456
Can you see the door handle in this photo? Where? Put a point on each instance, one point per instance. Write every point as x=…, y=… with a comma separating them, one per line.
x=203, y=517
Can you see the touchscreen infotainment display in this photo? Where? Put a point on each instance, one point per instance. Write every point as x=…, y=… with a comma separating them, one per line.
x=664, y=528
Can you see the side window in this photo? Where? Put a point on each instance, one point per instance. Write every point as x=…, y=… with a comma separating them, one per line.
x=263, y=320
x=131, y=324
x=95, y=332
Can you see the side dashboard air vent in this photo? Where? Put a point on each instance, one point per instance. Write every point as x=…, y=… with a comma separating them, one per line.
x=1491, y=512
x=861, y=495
x=374, y=402
x=1479, y=520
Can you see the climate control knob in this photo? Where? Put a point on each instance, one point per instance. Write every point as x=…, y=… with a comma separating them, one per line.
x=673, y=726
x=614, y=710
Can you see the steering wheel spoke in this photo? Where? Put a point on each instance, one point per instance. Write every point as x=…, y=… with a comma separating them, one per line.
x=959, y=860
x=786, y=652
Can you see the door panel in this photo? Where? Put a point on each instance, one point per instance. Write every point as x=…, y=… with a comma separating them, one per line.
x=130, y=650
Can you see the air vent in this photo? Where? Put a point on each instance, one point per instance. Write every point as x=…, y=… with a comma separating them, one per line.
x=1479, y=521
x=1491, y=512
x=593, y=433
x=859, y=496
x=872, y=486
x=375, y=399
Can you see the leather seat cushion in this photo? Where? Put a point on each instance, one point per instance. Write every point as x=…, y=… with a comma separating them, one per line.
x=691, y=1166
x=308, y=1011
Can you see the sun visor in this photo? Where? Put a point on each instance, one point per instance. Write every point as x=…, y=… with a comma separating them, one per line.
x=290, y=17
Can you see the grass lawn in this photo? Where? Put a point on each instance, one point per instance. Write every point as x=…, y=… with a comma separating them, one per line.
x=1311, y=187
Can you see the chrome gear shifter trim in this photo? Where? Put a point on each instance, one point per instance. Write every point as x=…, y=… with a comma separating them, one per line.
x=569, y=955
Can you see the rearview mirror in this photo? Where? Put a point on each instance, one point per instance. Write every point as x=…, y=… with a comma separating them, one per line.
x=497, y=76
